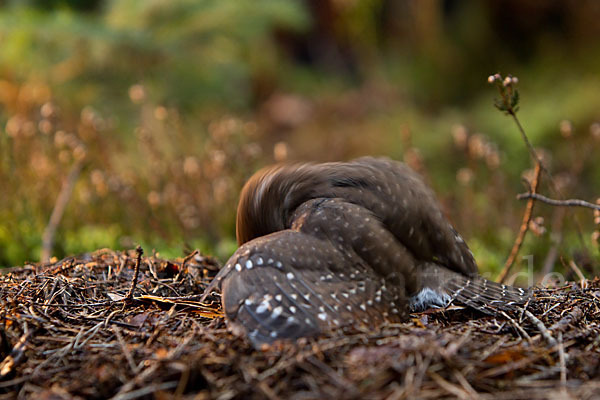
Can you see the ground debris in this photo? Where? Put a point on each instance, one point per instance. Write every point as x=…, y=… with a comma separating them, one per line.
x=69, y=330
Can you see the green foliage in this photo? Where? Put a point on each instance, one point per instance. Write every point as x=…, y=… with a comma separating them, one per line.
x=165, y=70
x=188, y=53
x=173, y=104
x=83, y=238
x=19, y=241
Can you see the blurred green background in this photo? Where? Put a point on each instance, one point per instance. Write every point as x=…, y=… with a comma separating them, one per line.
x=168, y=106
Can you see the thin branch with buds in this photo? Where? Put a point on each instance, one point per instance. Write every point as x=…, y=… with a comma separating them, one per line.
x=508, y=102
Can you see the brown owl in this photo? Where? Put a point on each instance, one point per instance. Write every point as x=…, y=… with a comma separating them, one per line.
x=329, y=245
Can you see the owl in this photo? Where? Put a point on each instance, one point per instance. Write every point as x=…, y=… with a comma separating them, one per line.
x=363, y=243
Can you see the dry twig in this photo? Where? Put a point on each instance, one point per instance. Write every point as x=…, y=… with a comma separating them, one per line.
x=558, y=203
x=524, y=227
x=136, y=272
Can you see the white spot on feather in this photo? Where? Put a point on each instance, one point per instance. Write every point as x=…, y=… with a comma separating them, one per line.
x=276, y=312
x=262, y=307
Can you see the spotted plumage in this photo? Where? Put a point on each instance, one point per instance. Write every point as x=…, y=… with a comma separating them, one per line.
x=359, y=243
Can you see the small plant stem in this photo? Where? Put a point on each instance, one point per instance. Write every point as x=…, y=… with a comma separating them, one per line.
x=524, y=225
x=59, y=209
x=530, y=148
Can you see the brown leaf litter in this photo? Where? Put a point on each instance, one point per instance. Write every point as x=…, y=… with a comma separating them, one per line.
x=70, y=331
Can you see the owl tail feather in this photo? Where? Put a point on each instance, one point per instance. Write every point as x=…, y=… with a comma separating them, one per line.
x=439, y=287
x=486, y=296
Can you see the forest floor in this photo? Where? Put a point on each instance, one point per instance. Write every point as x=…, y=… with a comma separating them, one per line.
x=71, y=330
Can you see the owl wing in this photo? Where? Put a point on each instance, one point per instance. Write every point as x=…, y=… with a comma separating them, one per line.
x=406, y=207
x=289, y=285
x=359, y=234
